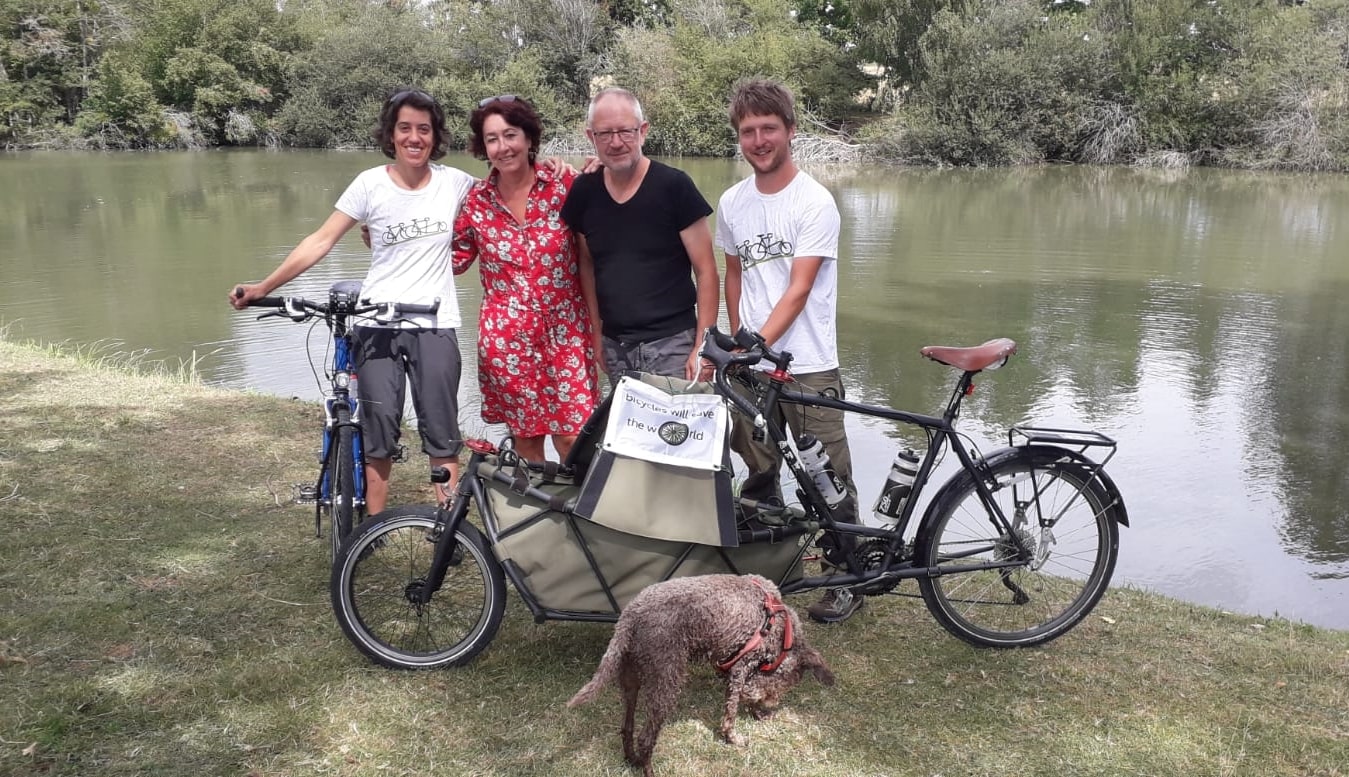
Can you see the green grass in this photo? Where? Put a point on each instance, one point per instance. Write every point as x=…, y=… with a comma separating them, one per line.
x=164, y=612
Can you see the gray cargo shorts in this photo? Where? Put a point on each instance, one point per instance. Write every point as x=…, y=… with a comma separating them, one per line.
x=387, y=360
x=662, y=356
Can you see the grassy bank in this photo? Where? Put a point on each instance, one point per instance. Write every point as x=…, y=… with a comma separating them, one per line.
x=163, y=612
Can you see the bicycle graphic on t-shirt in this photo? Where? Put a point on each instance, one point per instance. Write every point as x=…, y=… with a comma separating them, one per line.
x=755, y=252
x=403, y=232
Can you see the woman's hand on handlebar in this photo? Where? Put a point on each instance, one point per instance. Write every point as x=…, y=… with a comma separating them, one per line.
x=242, y=295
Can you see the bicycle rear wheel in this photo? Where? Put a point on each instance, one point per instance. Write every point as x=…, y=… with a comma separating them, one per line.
x=383, y=567
x=341, y=486
x=1060, y=513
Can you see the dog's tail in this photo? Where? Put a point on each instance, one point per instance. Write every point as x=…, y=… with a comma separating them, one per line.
x=607, y=671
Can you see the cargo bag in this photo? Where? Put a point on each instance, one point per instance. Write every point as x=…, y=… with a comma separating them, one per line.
x=663, y=467
x=626, y=524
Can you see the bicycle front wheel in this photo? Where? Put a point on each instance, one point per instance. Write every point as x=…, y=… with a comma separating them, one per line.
x=382, y=569
x=341, y=487
x=1064, y=533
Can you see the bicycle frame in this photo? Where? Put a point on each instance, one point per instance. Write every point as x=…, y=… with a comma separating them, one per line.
x=341, y=486
x=340, y=410
x=942, y=434
x=1013, y=550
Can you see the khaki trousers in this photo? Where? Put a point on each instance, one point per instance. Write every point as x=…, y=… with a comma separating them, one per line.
x=765, y=463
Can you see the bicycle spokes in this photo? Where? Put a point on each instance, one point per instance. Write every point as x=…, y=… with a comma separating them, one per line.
x=1022, y=562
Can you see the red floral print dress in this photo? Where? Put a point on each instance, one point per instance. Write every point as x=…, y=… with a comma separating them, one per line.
x=536, y=363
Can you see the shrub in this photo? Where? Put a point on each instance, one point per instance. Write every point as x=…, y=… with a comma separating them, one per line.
x=121, y=110
x=1006, y=85
x=684, y=73
x=338, y=86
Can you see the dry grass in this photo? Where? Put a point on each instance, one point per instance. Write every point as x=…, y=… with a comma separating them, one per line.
x=1110, y=133
x=1295, y=135
x=163, y=612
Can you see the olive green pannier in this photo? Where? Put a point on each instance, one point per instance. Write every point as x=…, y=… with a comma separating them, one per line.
x=588, y=537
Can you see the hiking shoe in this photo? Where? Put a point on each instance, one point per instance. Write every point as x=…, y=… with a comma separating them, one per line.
x=837, y=604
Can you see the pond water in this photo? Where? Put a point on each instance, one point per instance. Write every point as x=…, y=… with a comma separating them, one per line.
x=1195, y=316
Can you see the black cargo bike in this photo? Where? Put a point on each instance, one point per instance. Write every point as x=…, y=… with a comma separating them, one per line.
x=1013, y=550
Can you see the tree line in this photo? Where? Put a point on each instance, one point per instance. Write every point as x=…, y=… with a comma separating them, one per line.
x=1245, y=83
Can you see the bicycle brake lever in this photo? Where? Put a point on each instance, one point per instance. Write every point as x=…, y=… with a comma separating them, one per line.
x=749, y=339
x=294, y=310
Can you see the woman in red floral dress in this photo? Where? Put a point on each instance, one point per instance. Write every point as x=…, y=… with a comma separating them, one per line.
x=536, y=363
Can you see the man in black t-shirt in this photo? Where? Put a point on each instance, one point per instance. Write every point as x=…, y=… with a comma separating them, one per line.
x=647, y=267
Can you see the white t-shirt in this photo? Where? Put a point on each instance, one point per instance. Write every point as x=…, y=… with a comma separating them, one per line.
x=410, y=236
x=767, y=232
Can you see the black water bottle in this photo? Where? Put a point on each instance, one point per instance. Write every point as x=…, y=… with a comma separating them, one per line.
x=897, y=487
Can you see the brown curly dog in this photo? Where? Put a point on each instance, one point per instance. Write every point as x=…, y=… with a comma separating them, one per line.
x=737, y=622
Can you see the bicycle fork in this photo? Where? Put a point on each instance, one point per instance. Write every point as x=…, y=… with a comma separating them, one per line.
x=321, y=493
x=448, y=519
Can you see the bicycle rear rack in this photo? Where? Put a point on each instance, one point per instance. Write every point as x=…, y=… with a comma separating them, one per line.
x=1069, y=437
x=1079, y=439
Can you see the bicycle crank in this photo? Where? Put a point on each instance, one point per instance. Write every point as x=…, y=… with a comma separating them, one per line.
x=870, y=555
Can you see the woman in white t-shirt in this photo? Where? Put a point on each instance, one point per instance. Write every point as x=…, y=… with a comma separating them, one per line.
x=409, y=207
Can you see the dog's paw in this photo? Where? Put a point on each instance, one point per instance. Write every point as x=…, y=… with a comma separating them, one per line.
x=763, y=713
x=732, y=738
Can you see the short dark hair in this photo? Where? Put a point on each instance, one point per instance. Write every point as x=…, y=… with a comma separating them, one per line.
x=762, y=97
x=416, y=98
x=516, y=111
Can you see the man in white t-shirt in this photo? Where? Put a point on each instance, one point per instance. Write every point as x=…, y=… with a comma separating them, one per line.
x=779, y=229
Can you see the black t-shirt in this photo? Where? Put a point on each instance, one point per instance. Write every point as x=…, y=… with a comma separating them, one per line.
x=643, y=278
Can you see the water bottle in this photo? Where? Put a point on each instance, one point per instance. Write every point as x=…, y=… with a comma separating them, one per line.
x=897, y=487
x=821, y=470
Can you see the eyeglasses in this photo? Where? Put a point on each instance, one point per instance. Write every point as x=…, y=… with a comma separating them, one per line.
x=626, y=134
x=505, y=98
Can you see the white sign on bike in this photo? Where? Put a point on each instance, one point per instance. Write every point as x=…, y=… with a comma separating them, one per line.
x=683, y=430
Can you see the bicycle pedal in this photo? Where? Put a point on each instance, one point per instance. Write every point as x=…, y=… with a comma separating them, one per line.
x=305, y=493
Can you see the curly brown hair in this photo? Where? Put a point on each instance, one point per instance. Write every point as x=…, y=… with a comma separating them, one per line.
x=515, y=111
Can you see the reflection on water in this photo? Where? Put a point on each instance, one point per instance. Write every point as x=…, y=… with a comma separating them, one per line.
x=1195, y=316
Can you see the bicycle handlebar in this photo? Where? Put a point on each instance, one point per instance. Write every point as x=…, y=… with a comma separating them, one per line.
x=408, y=307
x=745, y=349
x=299, y=308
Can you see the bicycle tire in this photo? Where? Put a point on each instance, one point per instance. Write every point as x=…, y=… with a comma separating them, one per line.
x=1031, y=604
x=373, y=583
x=341, y=486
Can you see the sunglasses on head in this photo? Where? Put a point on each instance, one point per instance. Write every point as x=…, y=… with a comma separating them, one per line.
x=406, y=93
x=505, y=98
